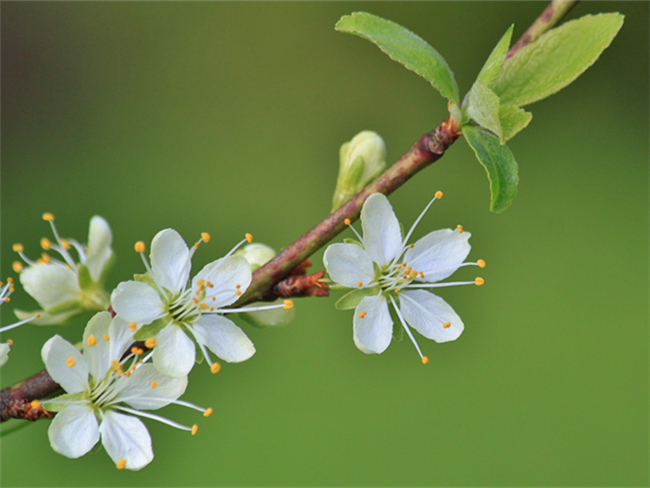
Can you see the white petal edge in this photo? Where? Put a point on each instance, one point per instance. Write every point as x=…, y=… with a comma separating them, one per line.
x=99, y=253
x=139, y=393
x=4, y=353
x=74, y=431
x=382, y=236
x=55, y=355
x=120, y=338
x=126, y=437
x=349, y=265
x=224, y=338
x=427, y=313
x=225, y=274
x=175, y=353
x=50, y=285
x=439, y=254
x=137, y=302
x=170, y=260
x=373, y=333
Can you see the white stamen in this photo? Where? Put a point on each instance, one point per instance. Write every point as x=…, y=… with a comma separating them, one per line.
x=442, y=285
x=406, y=328
x=154, y=417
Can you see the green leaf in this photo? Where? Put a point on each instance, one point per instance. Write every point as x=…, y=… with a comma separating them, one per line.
x=483, y=107
x=492, y=66
x=151, y=330
x=555, y=59
x=405, y=47
x=145, y=278
x=513, y=120
x=69, y=397
x=352, y=299
x=498, y=161
x=83, y=277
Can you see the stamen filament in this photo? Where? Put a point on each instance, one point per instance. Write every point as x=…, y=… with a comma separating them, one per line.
x=442, y=285
x=152, y=416
x=406, y=328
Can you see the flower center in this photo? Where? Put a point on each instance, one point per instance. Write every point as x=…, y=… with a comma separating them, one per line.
x=397, y=276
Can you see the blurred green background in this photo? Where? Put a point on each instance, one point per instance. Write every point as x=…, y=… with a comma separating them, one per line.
x=227, y=118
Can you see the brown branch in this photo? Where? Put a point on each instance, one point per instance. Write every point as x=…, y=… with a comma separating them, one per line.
x=428, y=149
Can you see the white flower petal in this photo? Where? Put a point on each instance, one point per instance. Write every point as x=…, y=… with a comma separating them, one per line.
x=170, y=260
x=137, y=302
x=438, y=254
x=225, y=274
x=373, y=332
x=175, y=353
x=56, y=354
x=382, y=236
x=4, y=352
x=223, y=338
x=50, y=285
x=126, y=437
x=97, y=356
x=74, y=431
x=139, y=393
x=349, y=264
x=427, y=313
x=99, y=247
x=120, y=338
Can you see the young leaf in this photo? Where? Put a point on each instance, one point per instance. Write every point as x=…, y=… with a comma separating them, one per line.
x=150, y=330
x=351, y=299
x=483, y=107
x=513, y=120
x=405, y=47
x=555, y=59
x=498, y=161
x=492, y=66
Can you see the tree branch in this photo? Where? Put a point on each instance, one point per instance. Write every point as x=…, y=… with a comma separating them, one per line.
x=15, y=400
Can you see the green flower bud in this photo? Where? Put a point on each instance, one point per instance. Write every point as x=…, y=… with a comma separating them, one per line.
x=361, y=161
x=258, y=255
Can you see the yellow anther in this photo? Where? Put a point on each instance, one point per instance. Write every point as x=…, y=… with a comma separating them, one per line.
x=208, y=412
x=411, y=246
x=134, y=350
x=408, y=271
x=211, y=309
x=200, y=283
x=35, y=404
x=480, y=263
x=119, y=371
x=7, y=300
x=404, y=264
x=196, y=245
x=45, y=243
x=133, y=326
x=249, y=238
x=10, y=342
x=105, y=337
x=288, y=305
x=133, y=367
x=414, y=274
x=359, y=284
x=210, y=285
x=238, y=286
x=121, y=464
x=421, y=274
x=115, y=365
x=48, y=216
x=150, y=343
x=238, y=292
x=215, y=368
x=396, y=290
x=446, y=325
x=198, y=292
x=70, y=362
x=154, y=384
x=425, y=360
x=214, y=299
x=10, y=280
x=37, y=316
x=203, y=306
x=347, y=221
x=205, y=236
x=195, y=300
x=40, y=261
x=65, y=244
x=479, y=281
x=91, y=341
x=18, y=247
x=45, y=257
x=438, y=194
x=363, y=314
x=195, y=429
x=140, y=246
x=460, y=229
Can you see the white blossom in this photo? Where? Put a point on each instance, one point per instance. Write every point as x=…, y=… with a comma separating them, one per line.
x=180, y=315
x=105, y=389
x=383, y=269
x=64, y=286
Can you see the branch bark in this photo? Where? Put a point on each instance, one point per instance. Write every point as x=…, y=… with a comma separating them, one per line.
x=15, y=400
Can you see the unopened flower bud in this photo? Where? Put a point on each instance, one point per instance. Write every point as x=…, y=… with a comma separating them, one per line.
x=256, y=254
x=361, y=161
